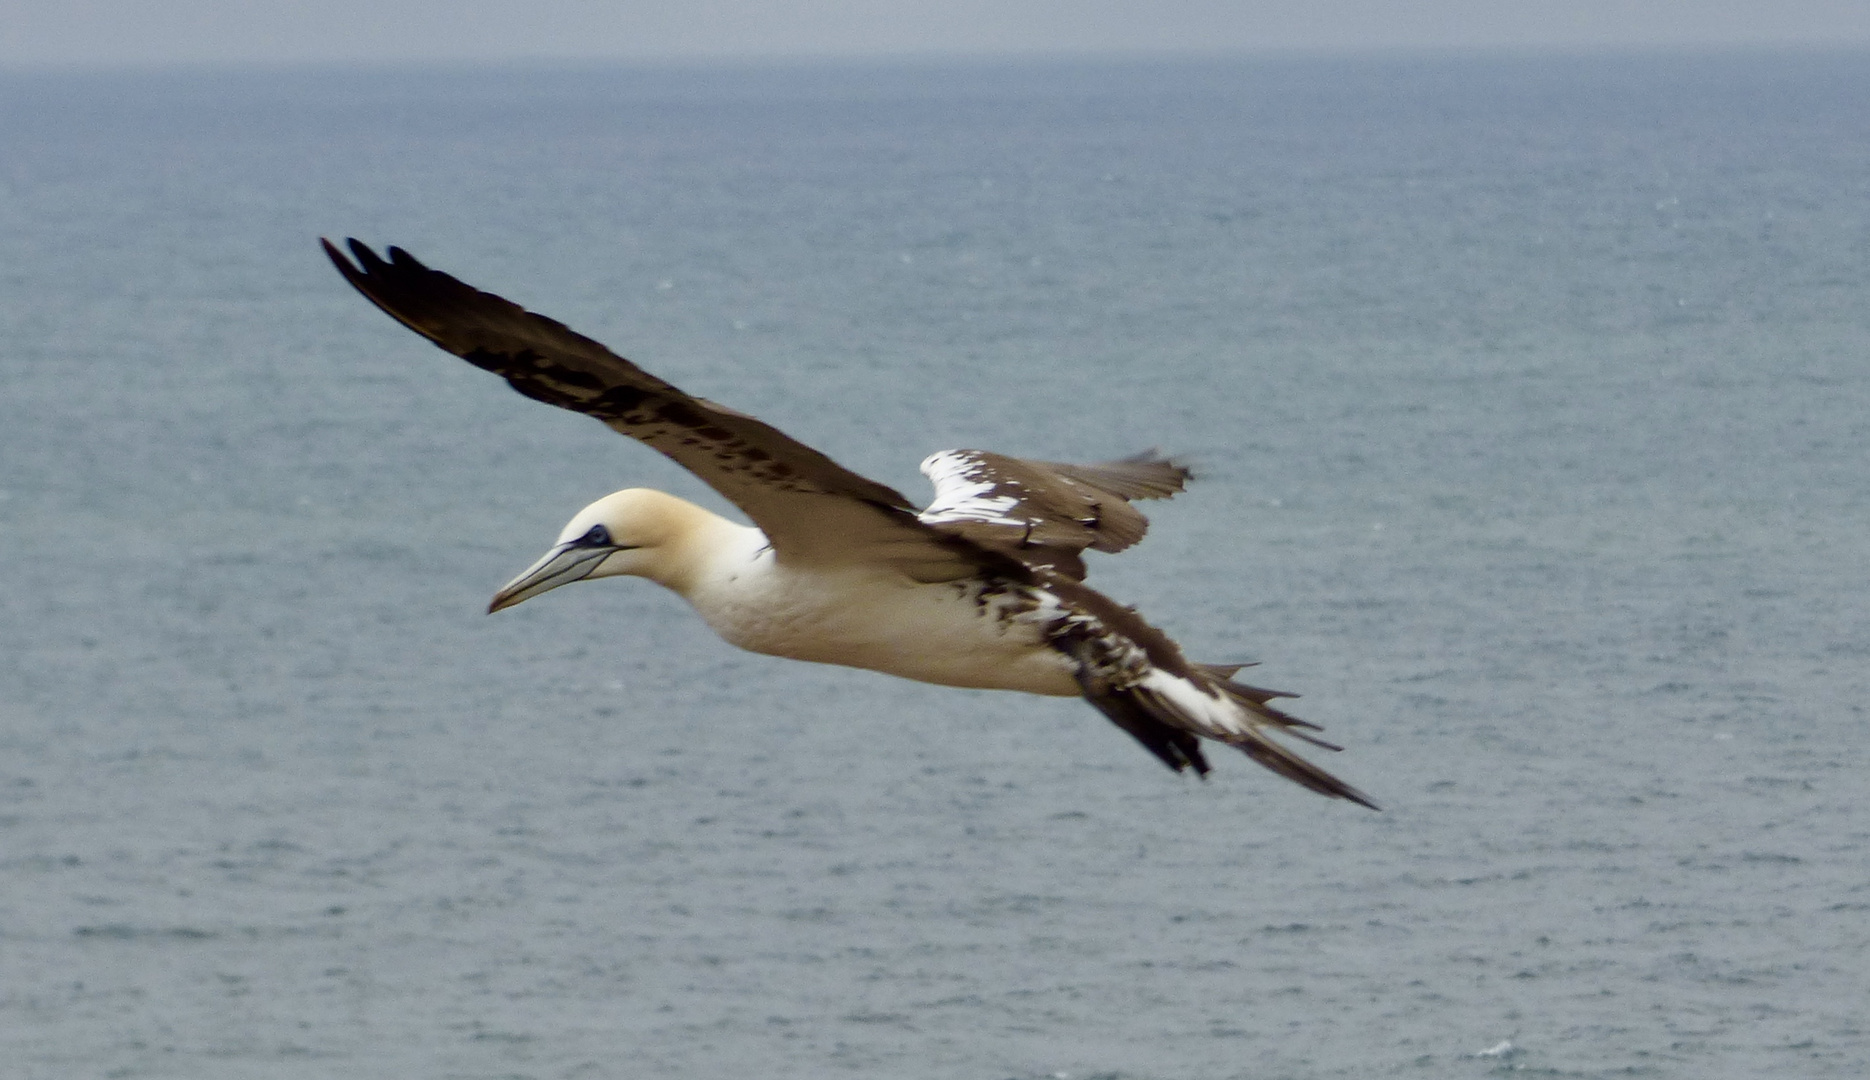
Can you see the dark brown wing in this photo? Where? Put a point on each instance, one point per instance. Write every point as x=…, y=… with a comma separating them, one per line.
x=811, y=508
x=1046, y=512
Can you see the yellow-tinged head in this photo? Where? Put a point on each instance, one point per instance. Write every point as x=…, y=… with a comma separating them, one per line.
x=636, y=531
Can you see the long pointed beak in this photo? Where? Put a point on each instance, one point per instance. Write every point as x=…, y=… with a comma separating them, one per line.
x=564, y=564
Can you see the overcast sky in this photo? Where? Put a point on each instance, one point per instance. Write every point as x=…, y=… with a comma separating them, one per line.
x=59, y=33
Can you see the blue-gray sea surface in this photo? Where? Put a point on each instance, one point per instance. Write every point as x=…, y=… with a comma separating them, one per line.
x=1530, y=397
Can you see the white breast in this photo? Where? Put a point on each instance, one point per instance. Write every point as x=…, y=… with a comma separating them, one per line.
x=964, y=633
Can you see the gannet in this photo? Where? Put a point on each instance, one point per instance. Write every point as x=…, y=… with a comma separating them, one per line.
x=982, y=588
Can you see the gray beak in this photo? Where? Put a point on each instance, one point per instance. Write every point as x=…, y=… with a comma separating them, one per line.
x=564, y=564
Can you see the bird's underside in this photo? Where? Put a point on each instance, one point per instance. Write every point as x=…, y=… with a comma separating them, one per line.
x=995, y=521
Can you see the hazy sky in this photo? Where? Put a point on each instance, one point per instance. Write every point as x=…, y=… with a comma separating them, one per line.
x=36, y=33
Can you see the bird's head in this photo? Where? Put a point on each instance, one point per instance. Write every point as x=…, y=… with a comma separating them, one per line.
x=635, y=531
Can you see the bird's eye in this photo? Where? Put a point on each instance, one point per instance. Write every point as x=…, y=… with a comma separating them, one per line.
x=599, y=536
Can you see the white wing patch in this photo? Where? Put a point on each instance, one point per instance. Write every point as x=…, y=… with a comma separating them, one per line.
x=966, y=489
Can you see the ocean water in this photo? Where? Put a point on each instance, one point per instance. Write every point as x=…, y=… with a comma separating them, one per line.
x=1530, y=397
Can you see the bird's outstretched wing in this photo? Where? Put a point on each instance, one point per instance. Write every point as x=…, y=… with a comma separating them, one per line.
x=811, y=508
x=1046, y=512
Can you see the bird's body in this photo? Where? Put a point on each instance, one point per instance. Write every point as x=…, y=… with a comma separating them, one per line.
x=983, y=588
x=972, y=633
x=984, y=635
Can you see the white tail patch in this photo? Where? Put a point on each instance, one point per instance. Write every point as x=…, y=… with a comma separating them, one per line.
x=1216, y=712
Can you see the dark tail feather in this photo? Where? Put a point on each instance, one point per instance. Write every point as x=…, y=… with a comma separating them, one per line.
x=1136, y=710
x=1262, y=749
x=1167, y=733
x=1176, y=748
x=1297, y=769
x=1255, y=699
x=1259, y=695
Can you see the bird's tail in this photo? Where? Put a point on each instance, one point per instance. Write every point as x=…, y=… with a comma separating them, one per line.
x=1170, y=714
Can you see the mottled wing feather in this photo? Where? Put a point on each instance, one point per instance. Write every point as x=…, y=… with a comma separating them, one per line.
x=1046, y=512
x=1147, y=475
x=810, y=507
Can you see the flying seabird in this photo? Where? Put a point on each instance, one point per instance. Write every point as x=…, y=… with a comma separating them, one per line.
x=982, y=588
